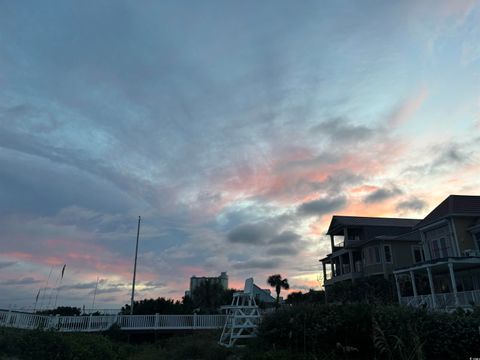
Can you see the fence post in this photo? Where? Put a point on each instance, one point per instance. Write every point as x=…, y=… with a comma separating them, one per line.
x=57, y=321
x=194, y=320
x=157, y=320
x=89, y=321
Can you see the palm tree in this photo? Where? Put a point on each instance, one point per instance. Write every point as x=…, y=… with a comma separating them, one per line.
x=278, y=283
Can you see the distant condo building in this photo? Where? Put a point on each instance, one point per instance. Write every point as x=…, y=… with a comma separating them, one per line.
x=195, y=281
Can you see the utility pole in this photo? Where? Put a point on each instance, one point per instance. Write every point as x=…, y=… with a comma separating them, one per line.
x=135, y=268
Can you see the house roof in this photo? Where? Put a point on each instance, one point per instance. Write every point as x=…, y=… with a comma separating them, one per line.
x=342, y=221
x=454, y=205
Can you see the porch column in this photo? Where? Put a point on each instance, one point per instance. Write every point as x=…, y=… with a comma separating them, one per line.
x=332, y=267
x=350, y=254
x=399, y=294
x=324, y=272
x=341, y=264
x=454, y=282
x=332, y=241
x=414, y=286
x=432, y=288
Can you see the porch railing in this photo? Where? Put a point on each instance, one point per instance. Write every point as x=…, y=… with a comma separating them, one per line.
x=443, y=301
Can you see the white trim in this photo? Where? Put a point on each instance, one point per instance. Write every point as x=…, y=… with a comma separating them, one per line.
x=464, y=260
x=434, y=225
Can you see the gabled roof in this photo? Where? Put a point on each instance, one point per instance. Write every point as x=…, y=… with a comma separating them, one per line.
x=454, y=205
x=341, y=221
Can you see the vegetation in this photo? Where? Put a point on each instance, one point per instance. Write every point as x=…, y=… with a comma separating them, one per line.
x=313, y=297
x=278, y=283
x=365, y=331
x=62, y=311
x=156, y=306
x=302, y=331
x=206, y=299
x=50, y=345
x=371, y=290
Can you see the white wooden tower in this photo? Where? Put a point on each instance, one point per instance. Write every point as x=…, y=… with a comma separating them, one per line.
x=243, y=316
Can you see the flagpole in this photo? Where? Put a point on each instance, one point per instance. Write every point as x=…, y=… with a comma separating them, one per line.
x=135, y=268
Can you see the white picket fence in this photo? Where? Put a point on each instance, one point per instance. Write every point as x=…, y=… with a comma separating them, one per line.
x=93, y=323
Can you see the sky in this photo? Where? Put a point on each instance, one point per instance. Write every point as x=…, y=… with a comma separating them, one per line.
x=235, y=129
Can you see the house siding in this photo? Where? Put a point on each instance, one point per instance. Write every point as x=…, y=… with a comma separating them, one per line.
x=403, y=253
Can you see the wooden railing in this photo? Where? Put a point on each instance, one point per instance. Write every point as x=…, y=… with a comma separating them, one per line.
x=104, y=322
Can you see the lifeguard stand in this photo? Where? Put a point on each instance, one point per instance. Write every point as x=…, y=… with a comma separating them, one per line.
x=243, y=316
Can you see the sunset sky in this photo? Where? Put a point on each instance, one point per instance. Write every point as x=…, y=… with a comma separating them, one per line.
x=236, y=129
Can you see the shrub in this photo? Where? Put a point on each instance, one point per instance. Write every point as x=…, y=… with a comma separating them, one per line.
x=369, y=331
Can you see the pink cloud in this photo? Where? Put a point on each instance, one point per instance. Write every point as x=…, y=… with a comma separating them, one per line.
x=407, y=109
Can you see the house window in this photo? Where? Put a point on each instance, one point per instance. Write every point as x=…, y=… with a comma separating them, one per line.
x=417, y=254
x=444, y=248
x=440, y=242
x=387, y=249
x=371, y=255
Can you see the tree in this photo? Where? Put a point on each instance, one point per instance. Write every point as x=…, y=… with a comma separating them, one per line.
x=208, y=296
x=156, y=306
x=278, y=283
x=312, y=297
x=61, y=310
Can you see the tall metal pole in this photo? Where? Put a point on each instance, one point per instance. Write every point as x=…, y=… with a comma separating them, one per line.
x=135, y=268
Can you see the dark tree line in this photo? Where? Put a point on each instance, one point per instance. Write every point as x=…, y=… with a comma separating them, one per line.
x=207, y=298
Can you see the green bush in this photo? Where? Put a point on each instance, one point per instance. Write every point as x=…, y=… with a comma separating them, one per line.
x=318, y=328
x=368, y=331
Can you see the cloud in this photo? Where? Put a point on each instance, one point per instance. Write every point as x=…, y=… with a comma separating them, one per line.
x=407, y=108
x=322, y=206
x=339, y=129
x=21, y=281
x=82, y=286
x=382, y=194
x=451, y=154
x=286, y=237
x=253, y=233
x=4, y=264
x=414, y=204
x=444, y=158
x=257, y=264
x=282, y=251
